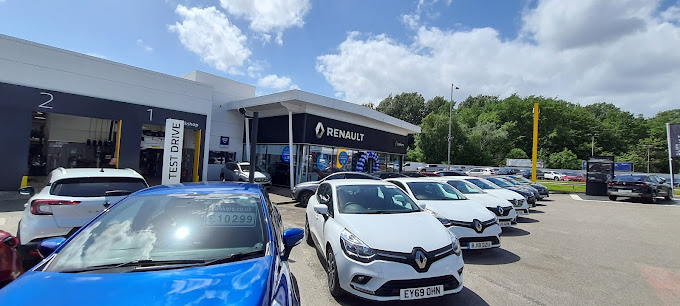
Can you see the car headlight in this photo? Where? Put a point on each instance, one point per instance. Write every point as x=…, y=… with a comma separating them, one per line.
x=445, y=221
x=456, y=244
x=355, y=248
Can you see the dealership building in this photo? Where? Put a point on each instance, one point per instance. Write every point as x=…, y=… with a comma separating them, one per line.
x=64, y=109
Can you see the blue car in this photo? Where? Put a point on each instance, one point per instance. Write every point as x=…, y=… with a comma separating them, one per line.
x=202, y=243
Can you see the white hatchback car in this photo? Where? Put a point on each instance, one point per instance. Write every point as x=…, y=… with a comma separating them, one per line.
x=378, y=244
x=481, y=172
x=553, y=175
x=505, y=212
x=518, y=201
x=69, y=199
x=474, y=225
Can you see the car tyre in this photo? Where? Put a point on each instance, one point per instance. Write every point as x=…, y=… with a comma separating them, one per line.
x=613, y=198
x=304, y=198
x=332, y=275
x=652, y=199
x=669, y=197
x=308, y=234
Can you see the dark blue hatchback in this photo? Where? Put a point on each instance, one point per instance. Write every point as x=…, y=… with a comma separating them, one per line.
x=203, y=243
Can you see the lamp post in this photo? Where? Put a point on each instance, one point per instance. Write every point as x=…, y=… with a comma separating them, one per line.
x=649, y=147
x=448, y=158
x=592, y=142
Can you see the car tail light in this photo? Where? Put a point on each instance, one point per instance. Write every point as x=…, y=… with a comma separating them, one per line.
x=43, y=207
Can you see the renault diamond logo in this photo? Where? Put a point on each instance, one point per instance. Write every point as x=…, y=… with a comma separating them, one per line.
x=421, y=259
x=478, y=225
x=319, y=130
x=500, y=210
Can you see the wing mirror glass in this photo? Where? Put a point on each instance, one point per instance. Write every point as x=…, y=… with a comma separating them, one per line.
x=291, y=238
x=321, y=209
x=27, y=191
x=48, y=246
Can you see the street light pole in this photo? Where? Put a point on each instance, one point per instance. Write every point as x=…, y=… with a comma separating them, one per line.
x=649, y=147
x=448, y=158
x=592, y=143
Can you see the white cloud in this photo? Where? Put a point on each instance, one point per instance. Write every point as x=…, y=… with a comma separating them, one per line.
x=269, y=16
x=275, y=82
x=627, y=56
x=144, y=46
x=208, y=33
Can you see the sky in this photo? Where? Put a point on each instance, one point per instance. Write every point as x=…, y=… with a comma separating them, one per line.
x=625, y=52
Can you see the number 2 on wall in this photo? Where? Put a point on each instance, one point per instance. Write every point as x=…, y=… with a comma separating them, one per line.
x=44, y=105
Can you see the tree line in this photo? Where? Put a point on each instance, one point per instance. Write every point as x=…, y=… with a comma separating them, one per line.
x=486, y=130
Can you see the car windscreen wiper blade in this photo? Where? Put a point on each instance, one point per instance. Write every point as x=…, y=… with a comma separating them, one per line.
x=137, y=263
x=235, y=257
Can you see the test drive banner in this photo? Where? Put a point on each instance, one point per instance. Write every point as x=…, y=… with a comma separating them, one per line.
x=172, y=151
x=674, y=140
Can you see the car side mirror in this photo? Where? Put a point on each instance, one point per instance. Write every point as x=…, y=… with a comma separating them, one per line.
x=422, y=205
x=11, y=241
x=663, y=180
x=48, y=246
x=29, y=190
x=321, y=209
x=291, y=238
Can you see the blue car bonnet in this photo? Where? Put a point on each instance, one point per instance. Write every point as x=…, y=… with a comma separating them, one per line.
x=239, y=283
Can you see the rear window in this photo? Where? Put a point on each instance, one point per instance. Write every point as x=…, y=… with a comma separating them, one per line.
x=95, y=186
x=630, y=178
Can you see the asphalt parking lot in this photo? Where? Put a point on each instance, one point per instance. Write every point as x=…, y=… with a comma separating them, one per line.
x=567, y=252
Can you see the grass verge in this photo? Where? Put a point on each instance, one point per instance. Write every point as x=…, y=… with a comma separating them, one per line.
x=574, y=187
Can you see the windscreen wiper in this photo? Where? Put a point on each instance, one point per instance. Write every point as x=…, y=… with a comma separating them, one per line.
x=235, y=257
x=137, y=263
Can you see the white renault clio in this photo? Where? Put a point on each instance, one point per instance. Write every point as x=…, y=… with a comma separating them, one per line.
x=518, y=201
x=379, y=245
x=505, y=212
x=474, y=225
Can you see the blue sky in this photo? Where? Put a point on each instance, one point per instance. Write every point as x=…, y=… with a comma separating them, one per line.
x=583, y=51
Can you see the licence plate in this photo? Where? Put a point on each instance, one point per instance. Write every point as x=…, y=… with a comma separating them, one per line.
x=421, y=293
x=479, y=245
x=504, y=223
x=625, y=191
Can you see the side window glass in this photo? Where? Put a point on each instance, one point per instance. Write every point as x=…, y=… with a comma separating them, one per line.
x=275, y=221
x=400, y=185
x=321, y=194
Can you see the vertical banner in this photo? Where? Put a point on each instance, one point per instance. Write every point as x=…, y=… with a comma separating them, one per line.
x=172, y=151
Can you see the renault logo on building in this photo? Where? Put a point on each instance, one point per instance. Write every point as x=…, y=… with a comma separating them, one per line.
x=319, y=130
x=421, y=259
x=337, y=133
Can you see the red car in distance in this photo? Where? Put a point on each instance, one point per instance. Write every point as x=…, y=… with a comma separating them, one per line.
x=10, y=262
x=574, y=177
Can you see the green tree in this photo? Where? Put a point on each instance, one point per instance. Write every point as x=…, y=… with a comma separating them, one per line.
x=564, y=160
x=517, y=153
x=409, y=107
x=433, y=140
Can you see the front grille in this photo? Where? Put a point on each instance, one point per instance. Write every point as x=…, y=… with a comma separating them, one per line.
x=471, y=225
x=410, y=258
x=392, y=288
x=506, y=211
x=464, y=241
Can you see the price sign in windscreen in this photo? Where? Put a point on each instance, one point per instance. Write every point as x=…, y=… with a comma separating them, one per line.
x=237, y=217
